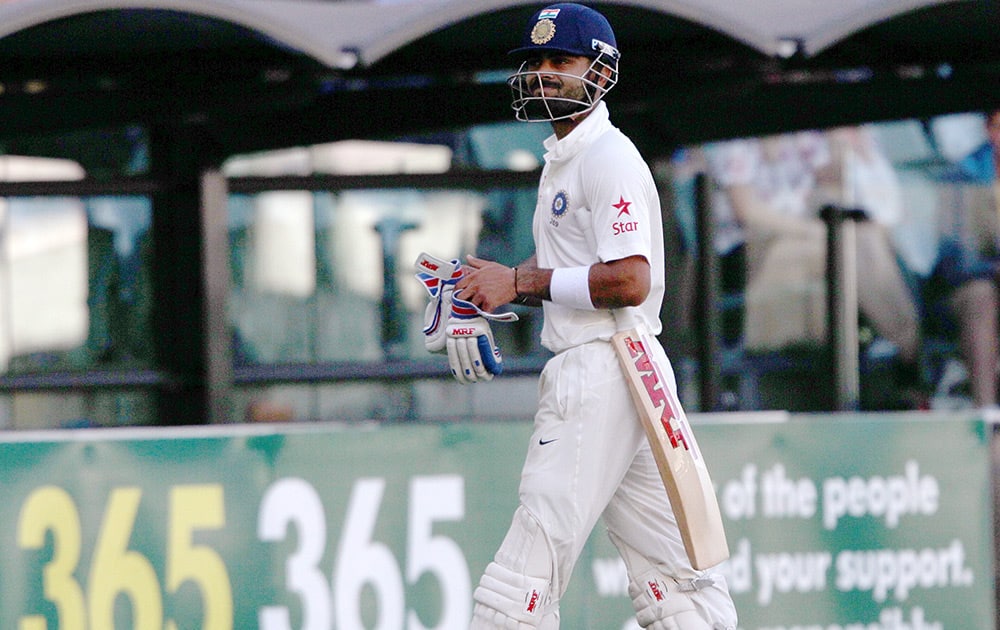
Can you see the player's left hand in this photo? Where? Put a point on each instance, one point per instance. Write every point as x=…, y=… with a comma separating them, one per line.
x=438, y=277
x=472, y=353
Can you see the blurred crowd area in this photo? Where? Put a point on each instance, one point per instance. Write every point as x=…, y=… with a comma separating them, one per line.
x=923, y=199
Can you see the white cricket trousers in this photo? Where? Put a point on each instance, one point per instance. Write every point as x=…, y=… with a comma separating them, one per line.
x=589, y=457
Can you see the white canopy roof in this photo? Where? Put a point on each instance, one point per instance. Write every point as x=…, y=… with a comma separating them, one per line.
x=344, y=33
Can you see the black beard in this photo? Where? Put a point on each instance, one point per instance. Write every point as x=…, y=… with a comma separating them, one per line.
x=551, y=108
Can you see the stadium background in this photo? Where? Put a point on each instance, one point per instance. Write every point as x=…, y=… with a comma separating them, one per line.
x=209, y=212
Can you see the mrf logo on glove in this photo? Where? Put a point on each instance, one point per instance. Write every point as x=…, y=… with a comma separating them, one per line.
x=472, y=353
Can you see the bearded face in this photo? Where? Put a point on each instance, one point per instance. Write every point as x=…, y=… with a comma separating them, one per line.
x=558, y=86
x=555, y=96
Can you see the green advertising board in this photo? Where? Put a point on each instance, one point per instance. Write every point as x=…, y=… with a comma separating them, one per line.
x=864, y=523
x=835, y=522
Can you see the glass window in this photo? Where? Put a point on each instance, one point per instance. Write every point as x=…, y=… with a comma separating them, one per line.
x=75, y=294
x=326, y=276
x=317, y=263
x=74, y=286
x=336, y=267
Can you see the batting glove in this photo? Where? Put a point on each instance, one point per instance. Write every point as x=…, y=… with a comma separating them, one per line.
x=439, y=278
x=472, y=353
x=456, y=326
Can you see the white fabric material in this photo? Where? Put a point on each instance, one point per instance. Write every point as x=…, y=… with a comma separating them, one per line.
x=526, y=547
x=597, y=202
x=570, y=286
x=516, y=588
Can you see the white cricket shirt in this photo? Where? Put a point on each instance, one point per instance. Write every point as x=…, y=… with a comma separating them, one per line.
x=596, y=203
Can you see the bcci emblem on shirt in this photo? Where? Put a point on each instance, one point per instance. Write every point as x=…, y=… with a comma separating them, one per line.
x=559, y=203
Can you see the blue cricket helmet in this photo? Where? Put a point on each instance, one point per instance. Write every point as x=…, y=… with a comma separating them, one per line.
x=571, y=28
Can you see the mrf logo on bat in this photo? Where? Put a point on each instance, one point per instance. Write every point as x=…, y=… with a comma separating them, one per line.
x=657, y=395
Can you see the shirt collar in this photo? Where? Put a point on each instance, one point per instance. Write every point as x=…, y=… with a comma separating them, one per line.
x=592, y=126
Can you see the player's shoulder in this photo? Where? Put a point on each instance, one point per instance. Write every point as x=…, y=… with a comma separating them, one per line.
x=614, y=139
x=612, y=151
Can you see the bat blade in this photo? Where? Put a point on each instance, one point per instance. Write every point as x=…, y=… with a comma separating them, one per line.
x=682, y=468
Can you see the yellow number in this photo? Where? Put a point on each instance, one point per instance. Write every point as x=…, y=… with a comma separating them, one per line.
x=115, y=569
x=51, y=509
x=193, y=508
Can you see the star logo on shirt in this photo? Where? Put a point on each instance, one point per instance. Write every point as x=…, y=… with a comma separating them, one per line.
x=622, y=206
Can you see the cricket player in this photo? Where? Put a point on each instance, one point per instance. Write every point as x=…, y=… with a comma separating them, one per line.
x=598, y=261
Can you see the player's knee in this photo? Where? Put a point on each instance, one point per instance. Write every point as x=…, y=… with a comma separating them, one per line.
x=660, y=601
x=660, y=605
x=516, y=590
x=698, y=601
x=509, y=600
x=527, y=548
x=514, y=594
x=665, y=603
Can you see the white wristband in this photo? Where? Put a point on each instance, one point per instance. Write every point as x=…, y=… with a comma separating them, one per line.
x=570, y=286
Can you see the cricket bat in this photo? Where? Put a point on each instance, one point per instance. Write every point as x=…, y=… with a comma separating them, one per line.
x=682, y=467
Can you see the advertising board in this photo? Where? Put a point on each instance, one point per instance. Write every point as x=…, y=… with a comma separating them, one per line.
x=834, y=522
